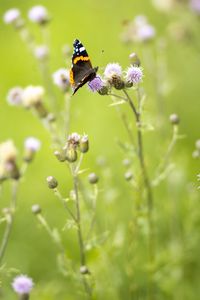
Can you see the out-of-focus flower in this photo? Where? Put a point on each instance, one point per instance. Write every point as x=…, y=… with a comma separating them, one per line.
x=134, y=74
x=96, y=84
x=112, y=69
x=32, y=95
x=139, y=30
x=32, y=144
x=36, y=209
x=22, y=285
x=163, y=5
x=8, y=151
x=135, y=61
x=11, y=16
x=38, y=14
x=8, y=156
x=195, y=6
x=66, y=50
x=14, y=96
x=197, y=144
x=73, y=139
x=61, y=79
x=174, y=119
x=41, y=52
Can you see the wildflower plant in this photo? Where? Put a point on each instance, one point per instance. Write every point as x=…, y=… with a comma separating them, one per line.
x=133, y=249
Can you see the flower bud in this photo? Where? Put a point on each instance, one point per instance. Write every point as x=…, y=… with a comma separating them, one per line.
x=31, y=145
x=93, y=178
x=12, y=170
x=52, y=182
x=60, y=156
x=174, y=119
x=71, y=154
x=126, y=162
x=128, y=175
x=84, y=270
x=84, y=144
x=135, y=61
x=103, y=91
x=117, y=82
x=36, y=209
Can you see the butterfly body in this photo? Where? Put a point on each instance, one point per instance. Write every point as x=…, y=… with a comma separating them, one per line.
x=82, y=70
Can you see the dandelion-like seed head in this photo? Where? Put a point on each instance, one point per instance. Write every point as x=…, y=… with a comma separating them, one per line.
x=38, y=14
x=41, y=52
x=8, y=152
x=11, y=16
x=32, y=144
x=112, y=69
x=61, y=79
x=22, y=284
x=32, y=95
x=14, y=96
x=96, y=84
x=134, y=75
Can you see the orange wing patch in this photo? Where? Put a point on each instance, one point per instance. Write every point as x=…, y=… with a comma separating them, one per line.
x=83, y=58
x=71, y=77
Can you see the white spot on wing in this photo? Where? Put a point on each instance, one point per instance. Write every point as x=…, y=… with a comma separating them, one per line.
x=82, y=49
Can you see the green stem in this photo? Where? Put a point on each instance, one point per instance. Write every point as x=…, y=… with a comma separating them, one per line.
x=145, y=180
x=10, y=219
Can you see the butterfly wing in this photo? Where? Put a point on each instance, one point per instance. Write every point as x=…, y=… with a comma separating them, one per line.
x=81, y=71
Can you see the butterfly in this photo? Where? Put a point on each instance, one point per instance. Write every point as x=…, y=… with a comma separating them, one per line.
x=81, y=71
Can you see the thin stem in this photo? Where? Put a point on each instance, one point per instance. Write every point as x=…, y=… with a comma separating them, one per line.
x=75, y=171
x=145, y=179
x=10, y=219
x=60, y=197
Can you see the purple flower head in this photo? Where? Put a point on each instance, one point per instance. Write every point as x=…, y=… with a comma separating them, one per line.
x=38, y=14
x=61, y=78
x=134, y=75
x=146, y=33
x=113, y=69
x=32, y=144
x=22, y=284
x=14, y=96
x=96, y=84
x=195, y=6
x=11, y=16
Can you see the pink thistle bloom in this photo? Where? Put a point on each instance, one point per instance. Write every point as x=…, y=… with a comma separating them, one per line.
x=14, y=96
x=134, y=75
x=11, y=16
x=32, y=144
x=112, y=69
x=38, y=14
x=22, y=284
x=96, y=84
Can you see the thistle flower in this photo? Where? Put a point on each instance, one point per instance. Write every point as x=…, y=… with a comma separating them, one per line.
x=22, y=285
x=41, y=52
x=96, y=84
x=195, y=6
x=73, y=139
x=163, y=5
x=11, y=16
x=61, y=79
x=38, y=14
x=32, y=95
x=112, y=69
x=14, y=96
x=146, y=33
x=8, y=151
x=32, y=144
x=134, y=75
x=8, y=156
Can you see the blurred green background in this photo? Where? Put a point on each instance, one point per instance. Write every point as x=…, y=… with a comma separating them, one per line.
x=99, y=24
